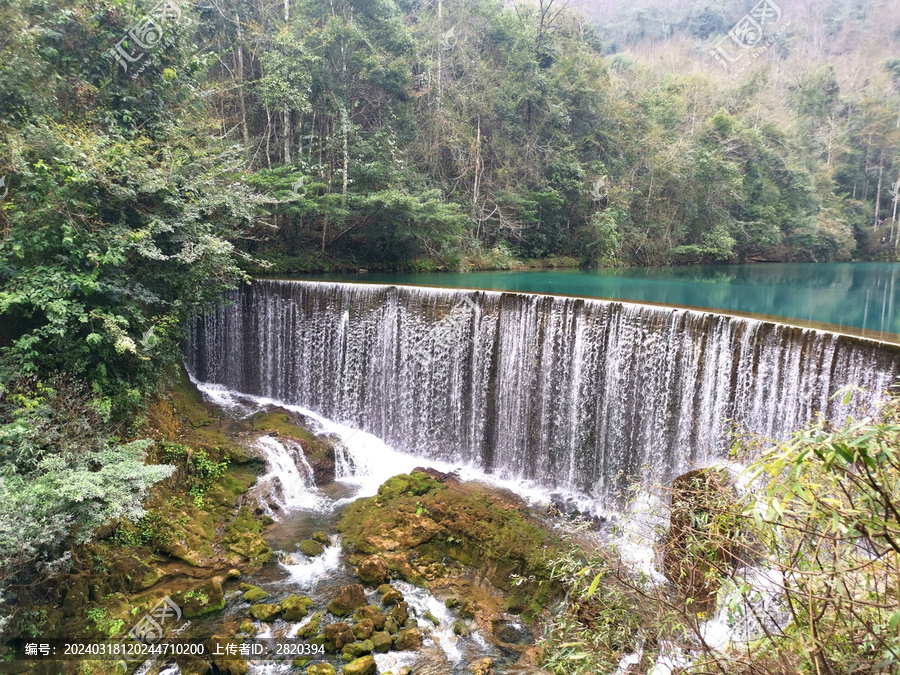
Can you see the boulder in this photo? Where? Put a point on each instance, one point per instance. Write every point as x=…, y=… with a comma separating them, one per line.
x=373, y=570
x=400, y=612
x=364, y=629
x=381, y=641
x=409, y=640
x=322, y=538
x=253, y=594
x=339, y=634
x=372, y=613
x=392, y=597
x=204, y=599
x=348, y=599
x=311, y=548
x=483, y=666
x=264, y=612
x=357, y=649
x=362, y=666
x=295, y=608
x=311, y=628
x=320, y=669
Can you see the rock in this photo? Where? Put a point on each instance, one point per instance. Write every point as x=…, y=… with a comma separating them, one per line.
x=400, y=612
x=339, y=634
x=371, y=612
x=364, y=629
x=322, y=538
x=311, y=548
x=253, y=594
x=432, y=618
x=357, y=649
x=192, y=665
x=439, y=476
x=264, y=612
x=373, y=570
x=294, y=608
x=392, y=597
x=381, y=641
x=391, y=625
x=409, y=640
x=311, y=628
x=233, y=573
x=150, y=578
x=320, y=669
x=483, y=666
x=247, y=627
x=225, y=665
x=452, y=603
x=460, y=628
x=348, y=599
x=206, y=598
x=363, y=666
x=411, y=623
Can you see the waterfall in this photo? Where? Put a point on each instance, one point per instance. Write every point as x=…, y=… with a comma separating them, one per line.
x=289, y=481
x=569, y=392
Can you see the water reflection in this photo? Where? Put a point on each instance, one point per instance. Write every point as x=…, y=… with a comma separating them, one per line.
x=852, y=295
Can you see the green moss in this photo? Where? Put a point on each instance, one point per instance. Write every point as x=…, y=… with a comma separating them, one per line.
x=281, y=424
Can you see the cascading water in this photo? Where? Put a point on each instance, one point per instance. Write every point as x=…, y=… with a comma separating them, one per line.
x=572, y=393
x=289, y=481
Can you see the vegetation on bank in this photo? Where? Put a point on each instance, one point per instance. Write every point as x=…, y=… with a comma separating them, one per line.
x=803, y=567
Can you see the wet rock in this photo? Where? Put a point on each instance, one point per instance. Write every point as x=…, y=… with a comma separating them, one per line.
x=513, y=633
x=483, y=666
x=439, y=476
x=372, y=613
x=432, y=618
x=400, y=612
x=381, y=641
x=150, y=578
x=391, y=625
x=411, y=623
x=311, y=548
x=253, y=594
x=373, y=570
x=339, y=634
x=264, y=612
x=357, y=649
x=460, y=628
x=392, y=597
x=228, y=664
x=295, y=608
x=409, y=640
x=452, y=603
x=320, y=669
x=233, y=573
x=363, y=666
x=204, y=599
x=364, y=629
x=311, y=628
x=247, y=627
x=193, y=665
x=348, y=599
x=322, y=538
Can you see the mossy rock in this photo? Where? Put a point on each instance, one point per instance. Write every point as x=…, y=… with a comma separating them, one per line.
x=281, y=422
x=243, y=536
x=311, y=628
x=247, y=627
x=409, y=639
x=428, y=616
x=362, y=666
x=381, y=641
x=320, y=669
x=452, y=603
x=150, y=578
x=461, y=628
x=253, y=594
x=348, y=599
x=357, y=649
x=415, y=484
x=363, y=629
x=295, y=608
x=322, y=538
x=264, y=612
x=204, y=599
x=337, y=635
x=311, y=548
x=372, y=613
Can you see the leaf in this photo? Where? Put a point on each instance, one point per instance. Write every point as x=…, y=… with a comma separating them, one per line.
x=593, y=587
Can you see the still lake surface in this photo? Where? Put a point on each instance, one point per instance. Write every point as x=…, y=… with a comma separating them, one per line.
x=853, y=297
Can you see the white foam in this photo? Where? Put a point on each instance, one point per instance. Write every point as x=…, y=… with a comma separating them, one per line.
x=307, y=573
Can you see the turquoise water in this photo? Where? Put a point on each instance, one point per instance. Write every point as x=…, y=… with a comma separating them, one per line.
x=855, y=296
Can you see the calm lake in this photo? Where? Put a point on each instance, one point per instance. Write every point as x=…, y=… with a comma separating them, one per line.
x=854, y=297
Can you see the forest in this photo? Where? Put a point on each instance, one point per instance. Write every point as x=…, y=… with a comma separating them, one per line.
x=153, y=156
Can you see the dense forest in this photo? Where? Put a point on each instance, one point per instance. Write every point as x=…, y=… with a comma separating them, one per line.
x=152, y=155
